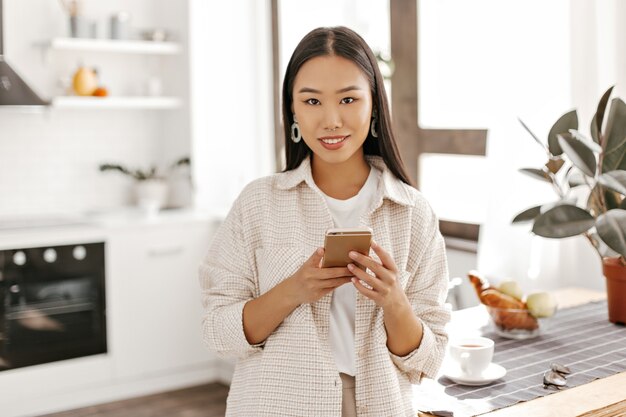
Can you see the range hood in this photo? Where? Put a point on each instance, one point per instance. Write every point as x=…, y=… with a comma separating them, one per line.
x=13, y=89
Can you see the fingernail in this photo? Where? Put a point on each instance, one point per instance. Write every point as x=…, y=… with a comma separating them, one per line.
x=350, y=267
x=320, y=251
x=352, y=255
x=374, y=244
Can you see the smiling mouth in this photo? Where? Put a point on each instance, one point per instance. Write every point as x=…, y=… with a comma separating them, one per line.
x=331, y=140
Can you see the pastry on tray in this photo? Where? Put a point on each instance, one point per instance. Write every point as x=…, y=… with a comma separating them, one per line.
x=507, y=312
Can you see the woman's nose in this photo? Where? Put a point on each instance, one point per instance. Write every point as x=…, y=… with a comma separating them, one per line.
x=332, y=119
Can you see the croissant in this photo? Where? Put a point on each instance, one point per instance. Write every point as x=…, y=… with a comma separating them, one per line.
x=507, y=312
x=494, y=298
x=478, y=282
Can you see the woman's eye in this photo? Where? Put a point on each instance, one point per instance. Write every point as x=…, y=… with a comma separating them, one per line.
x=312, y=101
x=347, y=100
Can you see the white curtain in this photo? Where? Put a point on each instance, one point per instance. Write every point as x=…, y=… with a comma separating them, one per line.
x=594, y=60
x=230, y=111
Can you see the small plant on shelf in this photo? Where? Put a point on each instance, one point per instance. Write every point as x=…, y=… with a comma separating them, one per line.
x=144, y=174
x=151, y=187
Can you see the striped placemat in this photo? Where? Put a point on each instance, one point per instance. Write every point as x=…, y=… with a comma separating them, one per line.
x=580, y=338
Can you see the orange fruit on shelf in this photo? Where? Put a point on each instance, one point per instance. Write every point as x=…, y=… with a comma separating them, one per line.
x=100, y=92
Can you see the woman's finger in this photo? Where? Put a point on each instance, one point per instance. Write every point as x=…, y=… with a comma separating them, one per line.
x=316, y=258
x=379, y=270
x=384, y=256
x=367, y=262
x=373, y=282
x=371, y=294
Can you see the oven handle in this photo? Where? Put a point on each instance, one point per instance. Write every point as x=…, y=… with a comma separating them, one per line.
x=49, y=311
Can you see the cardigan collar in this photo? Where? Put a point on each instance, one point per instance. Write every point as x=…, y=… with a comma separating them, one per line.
x=392, y=187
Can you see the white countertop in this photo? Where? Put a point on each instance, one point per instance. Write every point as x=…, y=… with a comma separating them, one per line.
x=133, y=217
x=68, y=228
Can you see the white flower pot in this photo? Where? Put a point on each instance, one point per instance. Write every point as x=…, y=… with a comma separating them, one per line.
x=181, y=191
x=151, y=194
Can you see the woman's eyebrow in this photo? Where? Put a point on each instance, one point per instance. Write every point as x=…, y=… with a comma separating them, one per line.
x=342, y=90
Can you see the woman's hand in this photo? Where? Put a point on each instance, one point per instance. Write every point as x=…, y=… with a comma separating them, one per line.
x=311, y=282
x=262, y=315
x=386, y=291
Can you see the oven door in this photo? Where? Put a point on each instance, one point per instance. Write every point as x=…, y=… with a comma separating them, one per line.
x=53, y=320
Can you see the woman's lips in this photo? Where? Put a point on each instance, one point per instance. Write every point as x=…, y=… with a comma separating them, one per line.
x=339, y=141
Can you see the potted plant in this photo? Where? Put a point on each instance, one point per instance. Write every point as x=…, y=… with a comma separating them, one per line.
x=180, y=184
x=151, y=188
x=589, y=177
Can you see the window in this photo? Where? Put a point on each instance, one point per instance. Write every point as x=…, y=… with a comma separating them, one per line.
x=427, y=151
x=456, y=63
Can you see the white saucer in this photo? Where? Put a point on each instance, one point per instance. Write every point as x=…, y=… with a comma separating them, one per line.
x=493, y=372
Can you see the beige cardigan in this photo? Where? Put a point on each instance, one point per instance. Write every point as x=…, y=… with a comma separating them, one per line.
x=273, y=227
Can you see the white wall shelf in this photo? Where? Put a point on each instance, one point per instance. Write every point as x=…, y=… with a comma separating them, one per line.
x=70, y=102
x=110, y=45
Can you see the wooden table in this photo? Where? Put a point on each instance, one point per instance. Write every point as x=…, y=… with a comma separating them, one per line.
x=600, y=398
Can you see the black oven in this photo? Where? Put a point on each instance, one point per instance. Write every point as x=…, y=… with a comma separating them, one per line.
x=52, y=304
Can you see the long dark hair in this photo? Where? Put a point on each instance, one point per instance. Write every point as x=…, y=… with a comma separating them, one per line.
x=343, y=42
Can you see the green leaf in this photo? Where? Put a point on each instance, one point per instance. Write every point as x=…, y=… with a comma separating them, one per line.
x=563, y=221
x=563, y=125
x=579, y=153
x=114, y=167
x=182, y=161
x=590, y=144
x=611, y=227
x=602, y=199
x=537, y=174
x=575, y=179
x=599, y=116
x=615, y=142
x=602, y=247
x=533, y=135
x=564, y=201
x=614, y=180
x=527, y=215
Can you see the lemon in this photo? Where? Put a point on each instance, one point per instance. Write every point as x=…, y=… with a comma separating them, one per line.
x=541, y=304
x=511, y=288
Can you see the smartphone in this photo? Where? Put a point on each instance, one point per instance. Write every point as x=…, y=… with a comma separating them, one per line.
x=340, y=241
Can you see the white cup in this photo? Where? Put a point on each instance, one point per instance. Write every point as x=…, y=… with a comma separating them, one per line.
x=472, y=354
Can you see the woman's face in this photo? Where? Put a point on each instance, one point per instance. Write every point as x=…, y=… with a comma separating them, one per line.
x=332, y=103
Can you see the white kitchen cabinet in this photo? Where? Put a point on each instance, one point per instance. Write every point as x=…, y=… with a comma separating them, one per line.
x=154, y=315
x=155, y=309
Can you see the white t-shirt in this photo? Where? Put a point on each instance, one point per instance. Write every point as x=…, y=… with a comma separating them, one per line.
x=347, y=213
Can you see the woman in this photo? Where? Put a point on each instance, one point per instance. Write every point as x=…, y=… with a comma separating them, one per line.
x=328, y=341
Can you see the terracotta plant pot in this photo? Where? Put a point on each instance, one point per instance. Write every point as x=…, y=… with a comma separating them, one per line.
x=615, y=273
